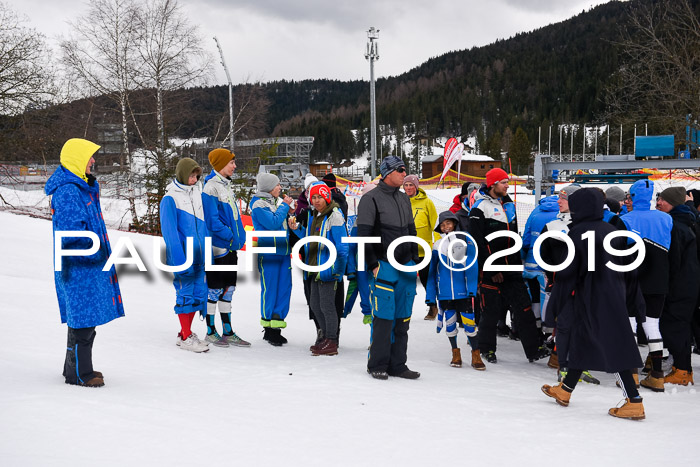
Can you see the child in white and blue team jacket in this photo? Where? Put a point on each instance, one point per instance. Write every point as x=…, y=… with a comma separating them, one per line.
x=269, y=213
x=453, y=280
x=182, y=216
x=328, y=222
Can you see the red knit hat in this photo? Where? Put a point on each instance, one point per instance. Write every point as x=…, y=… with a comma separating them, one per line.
x=495, y=175
x=322, y=190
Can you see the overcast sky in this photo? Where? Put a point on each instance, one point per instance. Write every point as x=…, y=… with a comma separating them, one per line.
x=269, y=40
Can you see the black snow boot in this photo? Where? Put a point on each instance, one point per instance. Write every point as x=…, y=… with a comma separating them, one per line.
x=274, y=337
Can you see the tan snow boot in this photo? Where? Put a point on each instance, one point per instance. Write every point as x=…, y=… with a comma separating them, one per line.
x=681, y=377
x=553, y=361
x=432, y=313
x=558, y=392
x=653, y=382
x=629, y=410
x=477, y=363
x=456, y=358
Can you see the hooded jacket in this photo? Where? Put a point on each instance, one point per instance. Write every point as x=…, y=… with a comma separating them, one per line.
x=182, y=216
x=385, y=212
x=450, y=280
x=545, y=212
x=268, y=213
x=87, y=296
x=655, y=229
x=221, y=214
x=456, y=203
x=424, y=217
x=489, y=215
x=590, y=307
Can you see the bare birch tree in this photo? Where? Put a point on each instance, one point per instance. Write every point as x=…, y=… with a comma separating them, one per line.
x=25, y=76
x=102, y=53
x=172, y=53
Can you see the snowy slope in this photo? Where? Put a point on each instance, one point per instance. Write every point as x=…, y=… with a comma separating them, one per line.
x=280, y=406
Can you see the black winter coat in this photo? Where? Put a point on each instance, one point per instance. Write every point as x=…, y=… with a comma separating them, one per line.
x=591, y=306
x=684, y=274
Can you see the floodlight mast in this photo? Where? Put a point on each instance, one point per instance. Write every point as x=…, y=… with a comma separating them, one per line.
x=230, y=93
x=372, y=54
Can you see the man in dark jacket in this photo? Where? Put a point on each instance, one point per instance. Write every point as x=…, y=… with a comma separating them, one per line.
x=493, y=211
x=591, y=306
x=684, y=283
x=385, y=212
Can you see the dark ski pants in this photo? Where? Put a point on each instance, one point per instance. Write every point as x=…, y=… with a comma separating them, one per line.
x=77, y=368
x=676, y=323
x=387, y=351
x=511, y=294
x=322, y=302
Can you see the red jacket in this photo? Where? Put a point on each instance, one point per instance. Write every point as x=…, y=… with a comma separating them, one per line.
x=457, y=204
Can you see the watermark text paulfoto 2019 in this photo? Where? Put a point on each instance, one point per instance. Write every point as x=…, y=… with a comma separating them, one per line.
x=466, y=261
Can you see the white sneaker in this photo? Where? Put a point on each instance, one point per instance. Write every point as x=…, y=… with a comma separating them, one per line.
x=192, y=344
x=197, y=339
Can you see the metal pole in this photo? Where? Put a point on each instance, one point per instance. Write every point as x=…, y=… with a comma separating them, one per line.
x=539, y=140
x=608, y=149
x=230, y=93
x=634, y=150
x=583, y=156
x=596, y=142
x=561, y=132
x=620, y=139
x=549, y=142
x=372, y=54
x=572, y=144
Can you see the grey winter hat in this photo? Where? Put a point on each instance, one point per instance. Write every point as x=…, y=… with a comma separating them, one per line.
x=267, y=182
x=675, y=196
x=568, y=190
x=445, y=216
x=615, y=193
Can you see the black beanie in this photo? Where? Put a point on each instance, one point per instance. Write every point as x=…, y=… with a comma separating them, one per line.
x=329, y=180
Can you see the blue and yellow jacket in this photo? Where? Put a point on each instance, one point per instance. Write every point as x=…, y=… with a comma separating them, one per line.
x=87, y=296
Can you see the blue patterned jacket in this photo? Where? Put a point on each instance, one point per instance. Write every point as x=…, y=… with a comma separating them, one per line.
x=87, y=296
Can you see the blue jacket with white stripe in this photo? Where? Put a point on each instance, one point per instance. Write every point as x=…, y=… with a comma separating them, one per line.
x=444, y=283
x=222, y=215
x=182, y=216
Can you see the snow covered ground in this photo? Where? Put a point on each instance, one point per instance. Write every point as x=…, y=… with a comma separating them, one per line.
x=281, y=406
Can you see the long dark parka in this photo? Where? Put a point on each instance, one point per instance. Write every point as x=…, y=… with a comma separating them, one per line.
x=590, y=306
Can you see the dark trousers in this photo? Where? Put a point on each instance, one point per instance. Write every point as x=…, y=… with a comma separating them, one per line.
x=696, y=325
x=675, y=326
x=77, y=368
x=423, y=276
x=511, y=294
x=389, y=342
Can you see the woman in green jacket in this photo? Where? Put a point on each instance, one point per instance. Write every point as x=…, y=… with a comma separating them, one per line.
x=425, y=217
